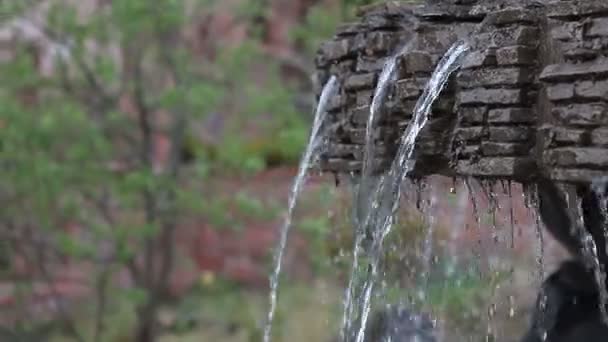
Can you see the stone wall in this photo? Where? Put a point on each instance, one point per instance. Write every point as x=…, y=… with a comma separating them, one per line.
x=530, y=93
x=576, y=85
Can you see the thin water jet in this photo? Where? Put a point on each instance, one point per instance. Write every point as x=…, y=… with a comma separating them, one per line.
x=316, y=134
x=511, y=213
x=385, y=80
x=385, y=199
x=427, y=252
x=540, y=239
x=599, y=189
x=473, y=199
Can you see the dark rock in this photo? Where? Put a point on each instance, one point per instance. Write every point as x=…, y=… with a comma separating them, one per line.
x=575, y=175
x=360, y=81
x=334, y=50
x=560, y=91
x=569, y=72
x=594, y=90
x=360, y=114
x=598, y=28
x=349, y=29
x=410, y=88
x=588, y=114
x=369, y=64
x=511, y=115
x=599, y=137
x=469, y=151
x=512, y=16
x=572, y=9
x=364, y=98
x=493, y=76
x=470, y=133
x=491, y=96
x=492, y=149
x=516, y=55
x=507, y=36
x=532, y=91
x=566, y=31
x=447, y=12
x=341, y=68
x=577, y=157
x=509, y=167
x=418, y=61
x=379, y=42
x=574, y=52
x=485, y=57
x=510, y=134
x=336, y=103
x=473, y=115
x=564, y=135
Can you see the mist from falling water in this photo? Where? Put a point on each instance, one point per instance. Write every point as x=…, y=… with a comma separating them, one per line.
x=316, y=137
x=385, y=198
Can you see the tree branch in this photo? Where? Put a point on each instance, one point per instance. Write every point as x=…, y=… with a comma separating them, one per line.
x=40, y=263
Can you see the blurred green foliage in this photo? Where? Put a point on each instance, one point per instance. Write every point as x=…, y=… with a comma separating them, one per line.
x=72, y=153
x=61, y=138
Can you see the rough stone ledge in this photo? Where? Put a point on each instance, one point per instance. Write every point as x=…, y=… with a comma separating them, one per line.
x=573, y=72
x=575, y=175
x=591, y=157
x=575, y=10
x=515, y=104
x=508, y=167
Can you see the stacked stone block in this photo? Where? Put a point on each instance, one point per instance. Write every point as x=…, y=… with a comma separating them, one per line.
x=575, y=138
x=496, y=98
x=531, y=96
x=357, y=54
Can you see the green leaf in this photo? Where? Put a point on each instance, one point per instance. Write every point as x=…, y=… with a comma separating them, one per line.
x=73, y=247
x=137, y=296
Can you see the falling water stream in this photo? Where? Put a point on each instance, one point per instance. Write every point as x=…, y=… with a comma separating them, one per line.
x=386, y=79
x=315, y=139
x=599, y=189
x=379, y=218
x=591, y=255
x=377, y=198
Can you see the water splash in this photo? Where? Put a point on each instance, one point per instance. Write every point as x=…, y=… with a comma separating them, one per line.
x=329, y=90
x=385, y=200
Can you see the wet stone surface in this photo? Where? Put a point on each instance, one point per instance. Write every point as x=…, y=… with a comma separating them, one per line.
x=531, y=95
